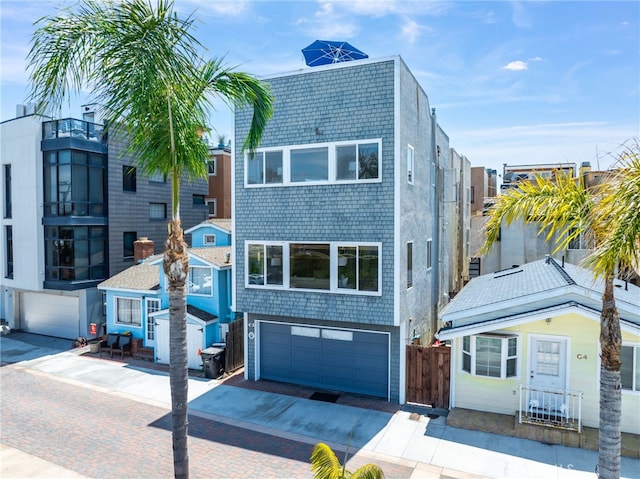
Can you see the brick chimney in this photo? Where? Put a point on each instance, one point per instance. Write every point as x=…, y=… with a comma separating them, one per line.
x=142, y=248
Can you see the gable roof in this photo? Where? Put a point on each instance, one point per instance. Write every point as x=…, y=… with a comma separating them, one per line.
x=220, y=223
x=535, y=289
x=214, y=255
x=140, y=277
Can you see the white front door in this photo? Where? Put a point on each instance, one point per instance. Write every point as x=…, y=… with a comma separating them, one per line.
x=195, y=342
x=548, y=363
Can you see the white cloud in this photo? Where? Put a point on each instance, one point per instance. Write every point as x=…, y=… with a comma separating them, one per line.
x=518, y=65
x=410, y=30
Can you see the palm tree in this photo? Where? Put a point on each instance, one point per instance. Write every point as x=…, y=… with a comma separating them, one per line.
x=564, y=209
x=144, y=66
x=325, y=465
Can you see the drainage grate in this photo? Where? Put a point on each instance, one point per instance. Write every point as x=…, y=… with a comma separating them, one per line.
x=326, y=397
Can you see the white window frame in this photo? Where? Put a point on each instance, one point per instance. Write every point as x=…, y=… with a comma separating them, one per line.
x=333, y=266
x=214, y=202
x=332, y=164
x=429, y=254
x=410, y=164
x=210, y=162
x=635, y=385
x=504, y=350
x=116, y=300
x=153, y=305
x=209, y=239
x=190, y=285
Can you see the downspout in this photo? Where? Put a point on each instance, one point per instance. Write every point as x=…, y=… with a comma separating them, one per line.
x=435, y=227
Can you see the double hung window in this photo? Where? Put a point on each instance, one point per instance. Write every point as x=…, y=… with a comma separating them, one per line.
x=630, y=368
x=129, y=311
x=490, y=355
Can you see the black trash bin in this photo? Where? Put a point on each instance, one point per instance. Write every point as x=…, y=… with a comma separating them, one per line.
x=213, y=362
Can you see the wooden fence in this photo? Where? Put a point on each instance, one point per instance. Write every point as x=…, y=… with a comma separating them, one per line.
x=428, y=375
x=234, y=351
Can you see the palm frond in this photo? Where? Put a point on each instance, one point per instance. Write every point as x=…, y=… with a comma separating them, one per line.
x=325, y=464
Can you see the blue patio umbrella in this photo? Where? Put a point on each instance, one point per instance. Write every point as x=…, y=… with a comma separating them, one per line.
x=324, y=52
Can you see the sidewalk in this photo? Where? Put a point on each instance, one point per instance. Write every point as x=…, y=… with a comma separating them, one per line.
x=427, y=445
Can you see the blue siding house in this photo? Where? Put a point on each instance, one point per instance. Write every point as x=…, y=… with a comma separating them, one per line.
x=137, y=299
x=335, y=228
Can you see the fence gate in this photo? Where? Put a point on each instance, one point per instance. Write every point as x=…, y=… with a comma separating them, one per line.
x=234, y=351
x=428, y=375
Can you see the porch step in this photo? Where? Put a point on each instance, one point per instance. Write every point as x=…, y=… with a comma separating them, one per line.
x=144, y=353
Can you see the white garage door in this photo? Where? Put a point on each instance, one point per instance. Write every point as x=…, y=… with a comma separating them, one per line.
x=49, y=314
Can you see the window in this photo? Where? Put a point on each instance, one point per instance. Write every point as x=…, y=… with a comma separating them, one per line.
x=472, y=194
x=410, y=164
x=7, y=191
x=309, y=164
x=490, y=355
x=409, y=265
x=128, y=239
x=8, y=267
x=212, y=208
x=74, y=183
x=210, y=240
x=630, y=368
x=198, y=200
x=128, y=178
x=75, y=253
x=358, y=268
x=429, y=254
x=355, y=162
x=309, y=266
x=157, y=211
x=129, y=311
x=200, y=281
x=211, y=167
x=265, y=264
x=349, y=268
x=265, y=168
x=346, y=161
x=153, y=305
x=158, y=177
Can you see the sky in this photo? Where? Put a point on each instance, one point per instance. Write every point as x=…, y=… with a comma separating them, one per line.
x=511, y=82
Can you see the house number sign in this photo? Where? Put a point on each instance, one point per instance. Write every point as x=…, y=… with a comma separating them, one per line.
x=581, y=356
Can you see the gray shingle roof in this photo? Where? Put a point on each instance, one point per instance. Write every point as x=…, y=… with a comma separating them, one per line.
x=216, y=255
x=538, y=284
x=144, y=277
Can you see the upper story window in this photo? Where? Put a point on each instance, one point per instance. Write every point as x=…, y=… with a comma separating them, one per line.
x=410, y=164
x=210, y=239
x=429, y=254
x=157, y=211
x=75, y=253
x=630, y=368
x=491, y=355
x=320, y=163
x=8, y=238
x=200, y=281
x=128, y=238
x=158, y=177
x=334, y=267
x=212, y=208
x=7, y=191
x=211, y=166
x=199, y=200
x=128, y=178
x=409, y=265
x=74, y=183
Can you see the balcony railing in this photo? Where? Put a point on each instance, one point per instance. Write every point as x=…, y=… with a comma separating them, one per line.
x=71, y=127
x=550, y=407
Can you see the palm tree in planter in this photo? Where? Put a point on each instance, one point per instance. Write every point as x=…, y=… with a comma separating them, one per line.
x=325, y=465
x=145, y=67
x=609, y=213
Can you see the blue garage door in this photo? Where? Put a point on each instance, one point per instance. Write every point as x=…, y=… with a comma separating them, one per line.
x=341, y=360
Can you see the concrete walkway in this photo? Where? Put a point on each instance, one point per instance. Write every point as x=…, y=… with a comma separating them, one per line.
x=428, y=446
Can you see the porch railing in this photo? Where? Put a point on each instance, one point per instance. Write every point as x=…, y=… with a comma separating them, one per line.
x=550, y=407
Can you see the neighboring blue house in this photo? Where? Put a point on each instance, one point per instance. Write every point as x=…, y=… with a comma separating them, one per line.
x=137, y=299
x=336, y=228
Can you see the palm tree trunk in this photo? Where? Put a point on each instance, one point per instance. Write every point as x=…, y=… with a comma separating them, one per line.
x=176, y=267
x=609, y=439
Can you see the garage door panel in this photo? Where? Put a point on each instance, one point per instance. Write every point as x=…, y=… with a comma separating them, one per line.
x=342, y=360
x=50, y=315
